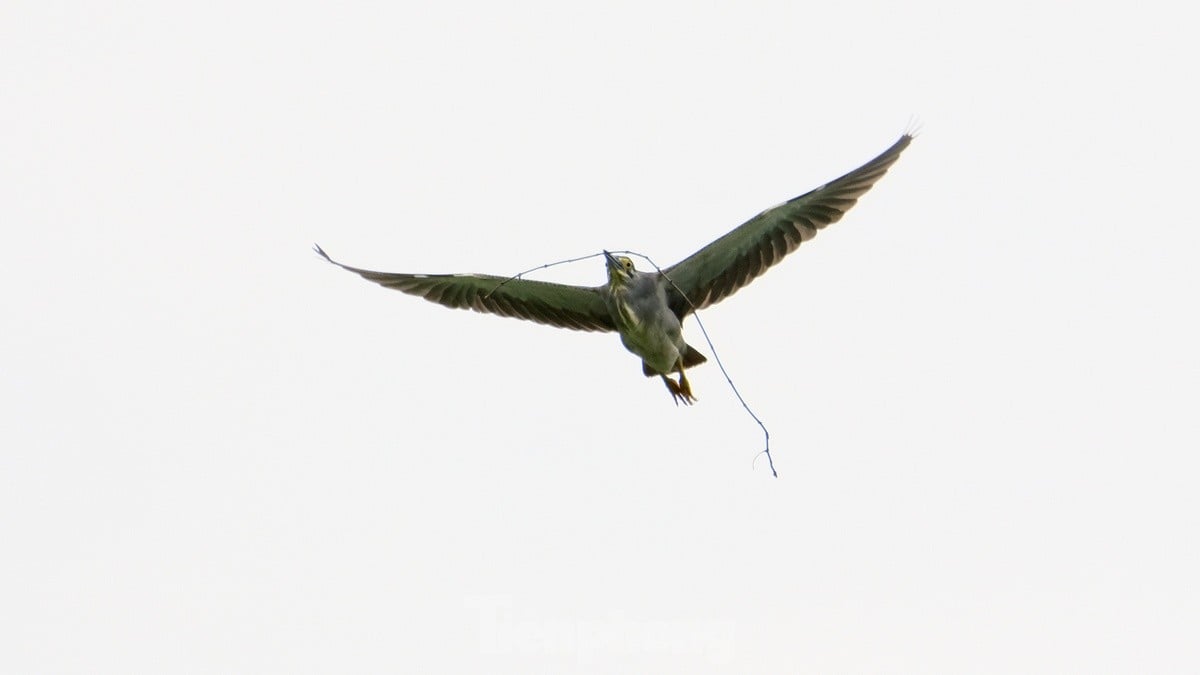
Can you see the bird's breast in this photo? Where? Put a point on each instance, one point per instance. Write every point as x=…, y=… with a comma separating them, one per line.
x=649, y=329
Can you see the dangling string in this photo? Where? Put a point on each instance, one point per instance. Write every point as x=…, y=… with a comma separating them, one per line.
x=518, y=275
x=695, y=312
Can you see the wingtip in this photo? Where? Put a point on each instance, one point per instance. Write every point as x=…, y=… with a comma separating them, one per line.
x=913, y=128
x=321, y=252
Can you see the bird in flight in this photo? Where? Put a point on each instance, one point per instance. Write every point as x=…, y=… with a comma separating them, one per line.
x=647, y=308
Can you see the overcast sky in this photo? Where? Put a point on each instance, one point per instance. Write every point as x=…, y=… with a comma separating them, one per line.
x=221, y=454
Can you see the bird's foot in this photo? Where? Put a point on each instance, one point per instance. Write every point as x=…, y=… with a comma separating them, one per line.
x=681, y=391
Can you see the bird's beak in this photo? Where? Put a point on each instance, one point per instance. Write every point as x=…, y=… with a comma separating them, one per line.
x=611, y=261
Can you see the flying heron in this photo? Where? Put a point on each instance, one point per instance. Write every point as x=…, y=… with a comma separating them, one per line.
x=647, y=308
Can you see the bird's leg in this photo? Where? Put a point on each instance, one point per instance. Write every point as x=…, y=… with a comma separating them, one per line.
x=685, y=389
x=676, y=394
x=681, y=391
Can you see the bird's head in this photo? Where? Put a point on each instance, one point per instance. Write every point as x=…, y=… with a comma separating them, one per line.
x=620, y=269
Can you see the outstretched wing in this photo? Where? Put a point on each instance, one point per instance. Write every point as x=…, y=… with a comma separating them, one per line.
x=729, y=263
x=574, y=307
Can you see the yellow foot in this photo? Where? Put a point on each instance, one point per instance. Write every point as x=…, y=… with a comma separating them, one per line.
x=681, y=391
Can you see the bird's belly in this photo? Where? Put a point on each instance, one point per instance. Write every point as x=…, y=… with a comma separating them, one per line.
x=660, y=346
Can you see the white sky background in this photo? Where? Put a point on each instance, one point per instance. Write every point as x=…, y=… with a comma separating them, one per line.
x=222, y=455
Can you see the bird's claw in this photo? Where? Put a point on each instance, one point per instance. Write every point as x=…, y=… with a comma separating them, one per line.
x=680, y=391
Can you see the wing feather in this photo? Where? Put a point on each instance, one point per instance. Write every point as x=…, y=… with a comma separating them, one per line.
x=734, y=260
x=561, y=305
